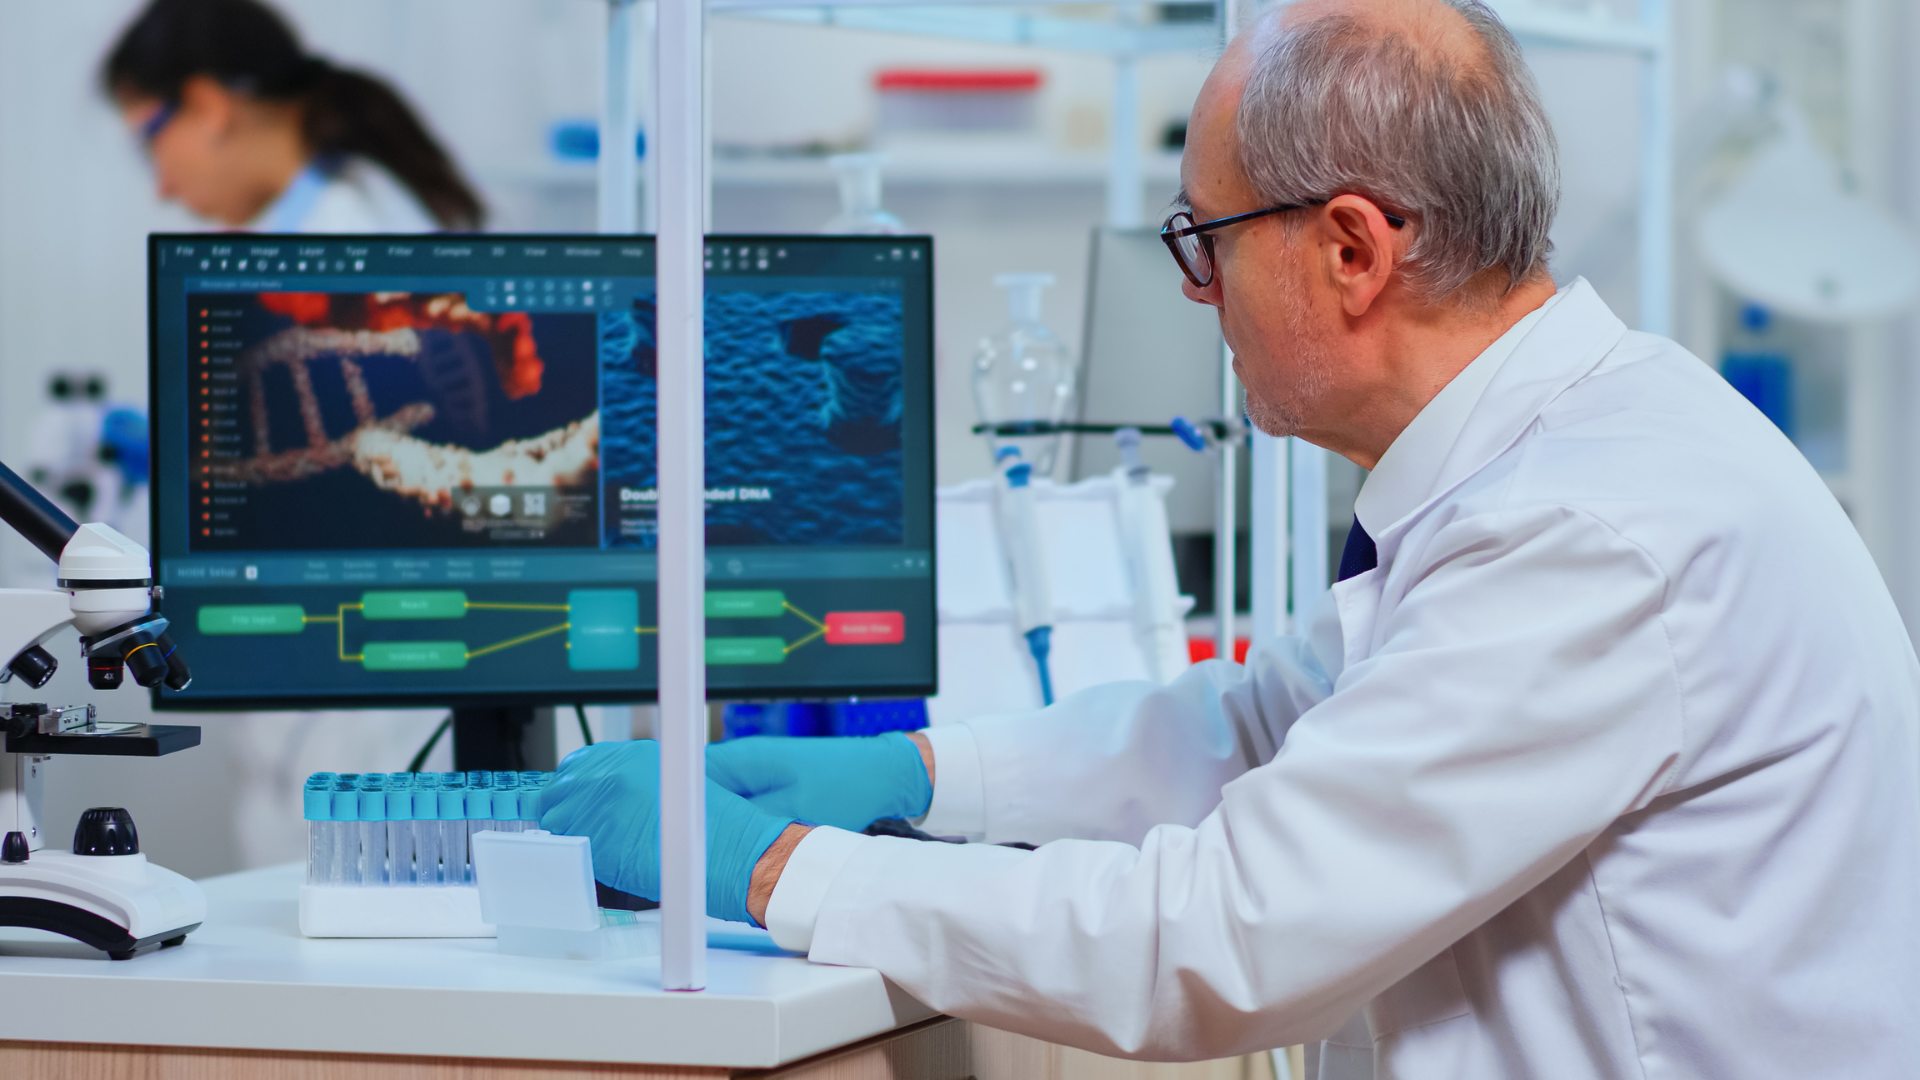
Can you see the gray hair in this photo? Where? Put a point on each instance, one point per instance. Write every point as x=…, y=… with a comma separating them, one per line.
x=1337, y=105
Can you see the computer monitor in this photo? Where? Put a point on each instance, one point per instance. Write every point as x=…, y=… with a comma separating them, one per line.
x=420, y=470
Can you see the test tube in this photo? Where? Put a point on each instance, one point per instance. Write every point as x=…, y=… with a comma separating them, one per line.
x=373, y=831
x=400, y=855
x=317, y=807
x=345, y=849
x=479, y=811
x=452, y=810
x=426, y=829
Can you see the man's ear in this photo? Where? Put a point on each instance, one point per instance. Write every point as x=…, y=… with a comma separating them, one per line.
x=1360, y=250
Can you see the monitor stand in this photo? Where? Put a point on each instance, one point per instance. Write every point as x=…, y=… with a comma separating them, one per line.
x=509, y=737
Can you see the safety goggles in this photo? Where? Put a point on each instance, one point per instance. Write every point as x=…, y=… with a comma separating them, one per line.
x=152, y=126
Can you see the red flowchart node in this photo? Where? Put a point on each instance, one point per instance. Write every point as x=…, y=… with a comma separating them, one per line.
x=866, y=627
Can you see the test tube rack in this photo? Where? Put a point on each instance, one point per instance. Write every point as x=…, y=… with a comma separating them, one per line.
x=391, y=854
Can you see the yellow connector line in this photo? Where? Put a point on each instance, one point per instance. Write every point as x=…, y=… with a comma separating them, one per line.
x=810, y=638
x=518, y=607
x=521, y=640
x=810, y=620
x=340, y=622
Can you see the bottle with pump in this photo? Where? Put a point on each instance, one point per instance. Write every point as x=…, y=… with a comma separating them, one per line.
x=1024, y=374
x=860, y=211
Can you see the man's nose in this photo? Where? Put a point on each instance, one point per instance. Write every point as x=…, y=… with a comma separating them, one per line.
x=1210, y=295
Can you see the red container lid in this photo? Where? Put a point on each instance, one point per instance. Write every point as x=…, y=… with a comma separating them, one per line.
x=958, y=81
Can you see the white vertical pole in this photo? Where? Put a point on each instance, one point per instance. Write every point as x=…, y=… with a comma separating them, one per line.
x=679, y=60
x=1226, y=525
x=1226, y=551
x=1308, y=467
x=619, y=177
x=1268, y=550
x=1125, y=178
x=1657, y=150
x=650, y=121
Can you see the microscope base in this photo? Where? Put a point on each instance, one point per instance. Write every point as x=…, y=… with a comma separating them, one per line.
x=122, y=905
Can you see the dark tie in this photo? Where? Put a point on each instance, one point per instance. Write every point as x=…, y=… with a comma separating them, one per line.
x=1359, y=556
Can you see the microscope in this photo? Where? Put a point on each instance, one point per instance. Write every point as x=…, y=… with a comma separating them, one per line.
x=101, y=890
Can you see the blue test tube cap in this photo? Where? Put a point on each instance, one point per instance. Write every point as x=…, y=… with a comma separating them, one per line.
x=373, y=803
x=400, y=802
x=317, y=803
x=479, y=804
x=345, y=804
x=451, y=805
x=426, y=802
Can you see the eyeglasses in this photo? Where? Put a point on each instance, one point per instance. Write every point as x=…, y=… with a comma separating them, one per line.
x=151, y=127
x=1192, y=243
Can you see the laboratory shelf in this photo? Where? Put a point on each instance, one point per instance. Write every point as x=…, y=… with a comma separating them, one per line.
x=1083, y=27
x=1538, y=24
x=995, y=165
x=996, y=22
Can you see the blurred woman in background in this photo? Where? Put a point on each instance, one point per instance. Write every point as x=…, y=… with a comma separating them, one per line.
x=245, y=128
x=248, y=130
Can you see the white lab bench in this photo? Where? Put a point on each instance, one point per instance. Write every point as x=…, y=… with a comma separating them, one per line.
x=247, y=995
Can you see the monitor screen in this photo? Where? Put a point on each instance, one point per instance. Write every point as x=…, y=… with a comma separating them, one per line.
x=421, y=470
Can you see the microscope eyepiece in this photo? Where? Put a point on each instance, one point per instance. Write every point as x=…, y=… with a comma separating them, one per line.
x=34, y=667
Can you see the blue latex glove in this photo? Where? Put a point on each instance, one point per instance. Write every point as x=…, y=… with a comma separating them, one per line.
x=610, y=793
x=848, y=783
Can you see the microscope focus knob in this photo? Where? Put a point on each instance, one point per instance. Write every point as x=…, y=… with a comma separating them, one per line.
x=106, y=830
x=14, y=848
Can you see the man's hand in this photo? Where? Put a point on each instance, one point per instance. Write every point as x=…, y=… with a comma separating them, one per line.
x=849, y=783
x=610, y=793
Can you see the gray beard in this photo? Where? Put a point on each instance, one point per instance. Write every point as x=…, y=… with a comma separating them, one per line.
x=1284, y=418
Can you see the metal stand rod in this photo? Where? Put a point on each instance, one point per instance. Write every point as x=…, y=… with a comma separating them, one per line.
x=619, y=210
x=1307, y=490
x=680, y=61
x=1267, y=518
x=1125, y=176
x=1226, y=554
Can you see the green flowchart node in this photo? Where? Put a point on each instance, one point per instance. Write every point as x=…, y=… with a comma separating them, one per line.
x=746, y=604
x=740, y=651
x=414, y=655
x=414, y=604
x=219, y=619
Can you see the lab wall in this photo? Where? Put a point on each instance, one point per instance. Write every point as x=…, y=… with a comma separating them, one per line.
x=492, y=76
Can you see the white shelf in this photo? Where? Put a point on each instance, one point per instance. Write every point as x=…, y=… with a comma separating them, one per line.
x=1538, y=24
x=993, y=22
x=1048, y=26
x=991, y=165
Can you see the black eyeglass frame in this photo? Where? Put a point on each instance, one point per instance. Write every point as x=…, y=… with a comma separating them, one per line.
x=1172, y=236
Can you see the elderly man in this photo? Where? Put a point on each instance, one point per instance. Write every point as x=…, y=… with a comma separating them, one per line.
x=1603, y=761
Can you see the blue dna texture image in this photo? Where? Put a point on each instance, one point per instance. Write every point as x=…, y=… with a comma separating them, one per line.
x=803, y=419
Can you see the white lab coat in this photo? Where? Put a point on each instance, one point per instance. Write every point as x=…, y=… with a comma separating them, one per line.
x=356, y=196
x=1610, y=769
x=270, y=754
